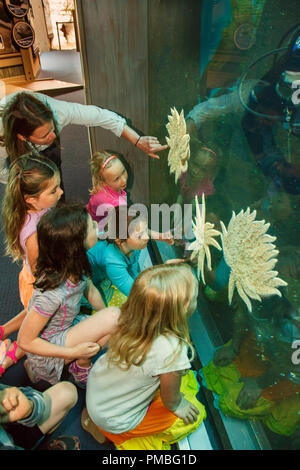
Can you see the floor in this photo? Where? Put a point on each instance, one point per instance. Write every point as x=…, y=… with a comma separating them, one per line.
x=65, y=66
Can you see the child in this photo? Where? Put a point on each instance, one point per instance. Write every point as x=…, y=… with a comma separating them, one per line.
x=47, y=333
x=109, y=178
x=33, y=187
x=136, y=389
x=115, y=261
x=41, y=412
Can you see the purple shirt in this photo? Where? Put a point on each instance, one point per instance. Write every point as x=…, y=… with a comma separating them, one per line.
x=28, y=229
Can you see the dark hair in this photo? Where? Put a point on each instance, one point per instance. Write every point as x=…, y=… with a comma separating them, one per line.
x=23, y=114
x=119, y=222
x=61, y=236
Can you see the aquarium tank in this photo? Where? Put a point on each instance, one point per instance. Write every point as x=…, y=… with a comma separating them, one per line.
x=226, y=73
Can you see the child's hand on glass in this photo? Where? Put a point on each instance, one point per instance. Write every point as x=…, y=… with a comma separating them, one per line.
x=175, y=260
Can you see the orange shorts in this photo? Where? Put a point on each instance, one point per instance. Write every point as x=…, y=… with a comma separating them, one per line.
x=26, y=280
x=157, y=419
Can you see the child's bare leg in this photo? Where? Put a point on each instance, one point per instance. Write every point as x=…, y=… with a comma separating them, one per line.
x=13, y=324
x=63, y=397
x=97, y=328
x=16, y=354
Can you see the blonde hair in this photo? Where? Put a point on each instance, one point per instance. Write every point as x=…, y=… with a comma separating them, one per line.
x=96, y=163
x=158, y=304
x=28, y=176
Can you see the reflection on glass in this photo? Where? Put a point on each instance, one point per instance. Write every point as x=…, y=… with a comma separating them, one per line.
x=244, y=126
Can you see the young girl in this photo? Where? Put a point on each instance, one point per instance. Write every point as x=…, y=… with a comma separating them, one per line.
x=62, y=275
x=115, y=261
x=135, y=392
x=109, y=178
x=33, y=187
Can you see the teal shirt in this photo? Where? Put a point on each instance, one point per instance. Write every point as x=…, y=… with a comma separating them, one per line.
x=108, y=262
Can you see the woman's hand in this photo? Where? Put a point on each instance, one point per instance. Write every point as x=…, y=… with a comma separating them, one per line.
x=150, y=145
x=85, y=350
x=186, y=411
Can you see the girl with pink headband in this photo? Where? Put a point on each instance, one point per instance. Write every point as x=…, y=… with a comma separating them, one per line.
x=109, y=178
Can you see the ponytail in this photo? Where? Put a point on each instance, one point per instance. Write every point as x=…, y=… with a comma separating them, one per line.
x=28, y=176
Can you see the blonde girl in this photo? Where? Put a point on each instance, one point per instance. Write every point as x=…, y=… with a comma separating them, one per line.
x=136, y=392
x=109, y=179
x=33, y=187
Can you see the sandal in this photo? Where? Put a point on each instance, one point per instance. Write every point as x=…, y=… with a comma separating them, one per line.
x=64, y=443
x=5, y=352
x=4, y=346
x=12, y=354
x=1, y=332
x=80, y=374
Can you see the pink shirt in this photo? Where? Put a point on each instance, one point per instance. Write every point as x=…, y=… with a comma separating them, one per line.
x=101, y=202
x=28, y=229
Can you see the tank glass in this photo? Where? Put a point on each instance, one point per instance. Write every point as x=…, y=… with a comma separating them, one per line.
x=233, y=68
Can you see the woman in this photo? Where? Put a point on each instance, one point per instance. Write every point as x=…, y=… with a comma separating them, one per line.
x=33, y=121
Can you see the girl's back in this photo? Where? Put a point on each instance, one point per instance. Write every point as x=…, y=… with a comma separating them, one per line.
x=152, y=340
x=118, y=401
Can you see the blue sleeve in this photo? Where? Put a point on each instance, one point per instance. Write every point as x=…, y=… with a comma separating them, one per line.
x=117, y=273
x=96, y=256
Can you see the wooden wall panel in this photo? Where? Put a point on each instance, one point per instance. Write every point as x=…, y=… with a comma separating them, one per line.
x=114, y=49
x=174, y=78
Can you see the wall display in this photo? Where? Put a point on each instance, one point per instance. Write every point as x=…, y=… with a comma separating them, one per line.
x=6, y=25
x=23, y=34
x=17, y=8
